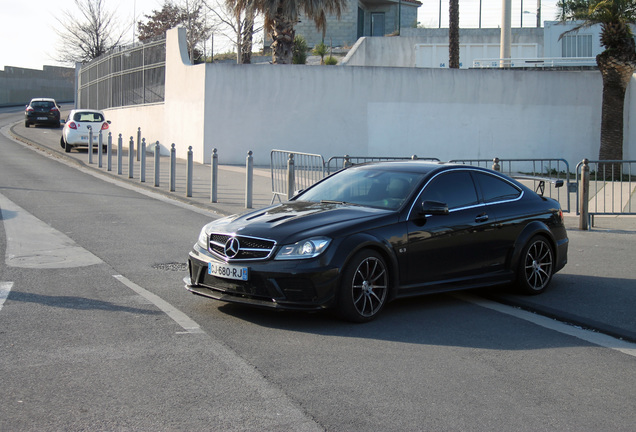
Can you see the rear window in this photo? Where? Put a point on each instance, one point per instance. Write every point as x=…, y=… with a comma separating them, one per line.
x=42, y=104
x=88, y=117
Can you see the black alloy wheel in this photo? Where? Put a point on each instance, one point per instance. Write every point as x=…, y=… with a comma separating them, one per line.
x=364, y=288
x=536, y=266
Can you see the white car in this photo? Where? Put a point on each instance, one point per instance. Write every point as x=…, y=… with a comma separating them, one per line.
x=76, y=129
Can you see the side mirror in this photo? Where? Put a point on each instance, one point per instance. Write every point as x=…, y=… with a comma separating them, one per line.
x=108, y=121
x=434, y=208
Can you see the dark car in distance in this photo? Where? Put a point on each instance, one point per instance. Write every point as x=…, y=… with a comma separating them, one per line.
x=42, y=111
x=380, y=231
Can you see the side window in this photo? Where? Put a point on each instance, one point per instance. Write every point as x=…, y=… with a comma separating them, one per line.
x=495, y=189
x=455, y=188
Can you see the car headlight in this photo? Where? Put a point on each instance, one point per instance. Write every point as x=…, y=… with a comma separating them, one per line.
x=309, y=248
x=203, y=238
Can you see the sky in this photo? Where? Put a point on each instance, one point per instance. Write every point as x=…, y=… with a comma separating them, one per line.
x=28, y=38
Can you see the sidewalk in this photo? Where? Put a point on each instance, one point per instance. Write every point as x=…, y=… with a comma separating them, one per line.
x=232, y=180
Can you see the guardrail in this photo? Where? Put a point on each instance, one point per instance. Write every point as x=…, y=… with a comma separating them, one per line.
x=608, y=187
x=542, y=169
x=534, y=62
x=293, y=171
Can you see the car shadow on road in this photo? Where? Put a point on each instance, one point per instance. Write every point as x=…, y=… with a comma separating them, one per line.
x=440, y=320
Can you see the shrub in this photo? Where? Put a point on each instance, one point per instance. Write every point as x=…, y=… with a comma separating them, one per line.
x=300, y=50
x=320, y=50
x=331, y=60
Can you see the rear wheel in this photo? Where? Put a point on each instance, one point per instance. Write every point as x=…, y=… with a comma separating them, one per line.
x=536, y=266
x=67, y=147
x=26, y=124
x=364, y=287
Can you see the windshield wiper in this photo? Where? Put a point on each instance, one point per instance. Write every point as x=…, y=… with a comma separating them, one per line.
x=332, y=202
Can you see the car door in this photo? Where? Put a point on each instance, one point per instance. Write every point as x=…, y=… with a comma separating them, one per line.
x=503, y=202
x=448, y=248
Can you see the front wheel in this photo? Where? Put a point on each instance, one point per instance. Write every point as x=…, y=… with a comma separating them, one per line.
x=536, y=266
x=364, y=287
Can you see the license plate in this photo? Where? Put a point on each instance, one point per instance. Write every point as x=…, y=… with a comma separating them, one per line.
x=84, y=138
x=42, y=118
x=228, y=271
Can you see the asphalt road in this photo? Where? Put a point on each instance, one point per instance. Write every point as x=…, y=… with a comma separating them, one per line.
x=97, y=333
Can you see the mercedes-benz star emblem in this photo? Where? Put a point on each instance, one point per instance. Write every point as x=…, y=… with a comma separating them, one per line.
x=232, y=247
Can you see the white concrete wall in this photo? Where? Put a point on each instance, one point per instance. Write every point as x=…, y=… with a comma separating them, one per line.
x=380, y=111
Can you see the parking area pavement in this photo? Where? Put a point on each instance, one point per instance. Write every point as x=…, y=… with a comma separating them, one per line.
x=596, y=290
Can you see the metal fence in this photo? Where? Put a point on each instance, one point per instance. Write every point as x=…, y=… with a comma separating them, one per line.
x=126, y=76
x=531, y=171
x=607, y=188
x=293, y=171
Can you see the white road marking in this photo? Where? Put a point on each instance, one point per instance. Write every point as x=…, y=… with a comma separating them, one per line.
x=5, y=288
x=32, y=243
x=549, y=323
x=179, y=317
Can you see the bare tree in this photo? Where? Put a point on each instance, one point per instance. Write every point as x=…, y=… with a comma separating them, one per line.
x=240, y=27
x=186, y=13
x=88, y=31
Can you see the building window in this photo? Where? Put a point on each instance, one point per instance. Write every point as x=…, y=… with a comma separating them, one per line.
x=577, y=46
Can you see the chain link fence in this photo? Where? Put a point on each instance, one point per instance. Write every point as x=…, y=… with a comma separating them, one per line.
x=125, y=76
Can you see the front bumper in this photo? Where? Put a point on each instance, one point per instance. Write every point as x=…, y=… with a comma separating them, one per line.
x=291, y=285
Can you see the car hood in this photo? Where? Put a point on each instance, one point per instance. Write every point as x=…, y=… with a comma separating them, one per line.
x=294, y=220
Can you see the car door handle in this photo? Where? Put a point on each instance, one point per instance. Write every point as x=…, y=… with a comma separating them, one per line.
x=481, y=218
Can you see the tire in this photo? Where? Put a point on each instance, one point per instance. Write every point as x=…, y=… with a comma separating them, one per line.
x=364, y=287
x=536, y=266
x=62, y=143
x=67, y=147
x=26, y=124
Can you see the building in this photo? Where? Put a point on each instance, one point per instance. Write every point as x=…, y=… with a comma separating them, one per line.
x=361, y=18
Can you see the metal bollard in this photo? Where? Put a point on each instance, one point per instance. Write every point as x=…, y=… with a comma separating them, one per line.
x=291, y=176
x=157, y=163
x=189, y=168
x=584, y=210
x=109, y=152
x=249, y=179
x=90, y=145
x=414, y=157
x=120, y=147
x=214, y=176
x=100, y=146
x=495, y=164
x=131, y=157
x=142, y=175
x=138, y=142
x=173, y=168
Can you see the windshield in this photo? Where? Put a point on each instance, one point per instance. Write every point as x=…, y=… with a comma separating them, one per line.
x=365, y=186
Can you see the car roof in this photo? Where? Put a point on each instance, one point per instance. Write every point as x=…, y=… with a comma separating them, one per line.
x=86, y=111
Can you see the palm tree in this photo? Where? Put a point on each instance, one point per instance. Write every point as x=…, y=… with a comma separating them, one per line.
x=617, y=63
x=453, y=34
x=281, y=16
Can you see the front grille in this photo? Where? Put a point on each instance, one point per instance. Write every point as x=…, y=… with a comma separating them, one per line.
x=234, y=248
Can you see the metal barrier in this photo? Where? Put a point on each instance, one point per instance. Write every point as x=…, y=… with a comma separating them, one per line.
x=336, y=163
x=547, y=169
x=292, y=171
x=607, y=188
x=125, y=76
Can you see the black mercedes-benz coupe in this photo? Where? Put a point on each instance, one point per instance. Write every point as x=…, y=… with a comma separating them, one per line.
x=375, y=232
